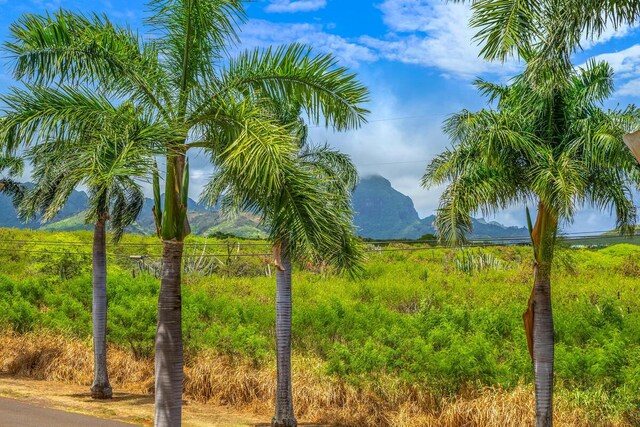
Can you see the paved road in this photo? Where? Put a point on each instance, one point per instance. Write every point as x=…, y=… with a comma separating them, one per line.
x=14, y=413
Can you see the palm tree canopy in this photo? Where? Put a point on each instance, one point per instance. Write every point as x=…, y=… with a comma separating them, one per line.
x=308, y=207
x=549, y=144
x=553, y=28
x=183, y=74
x=109, y=160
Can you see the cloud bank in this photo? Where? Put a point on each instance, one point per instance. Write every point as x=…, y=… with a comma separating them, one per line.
x=287, y=6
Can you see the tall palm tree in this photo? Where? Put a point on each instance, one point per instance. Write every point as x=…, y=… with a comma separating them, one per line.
x=545, y=33
x=309, y=217
x=548, y=144
x=107, y=158
x=185, y=79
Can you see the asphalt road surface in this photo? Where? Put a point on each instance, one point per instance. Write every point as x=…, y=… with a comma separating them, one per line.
x=14, y=413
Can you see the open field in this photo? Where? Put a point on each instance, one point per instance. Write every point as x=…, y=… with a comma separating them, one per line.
x=429, y=337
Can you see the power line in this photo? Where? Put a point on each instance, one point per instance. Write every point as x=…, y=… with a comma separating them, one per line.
x=125, y=244
x=395, y=163
x=219, y=255
x=390, y=119
x=236, y=244
x=476, y=244
x=577, y=234
x=471, y=244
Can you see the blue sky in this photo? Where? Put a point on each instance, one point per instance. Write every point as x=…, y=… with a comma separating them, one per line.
x=416, y=56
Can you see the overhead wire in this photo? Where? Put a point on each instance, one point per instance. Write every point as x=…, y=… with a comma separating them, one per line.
x=237, y=243
x=426, y=246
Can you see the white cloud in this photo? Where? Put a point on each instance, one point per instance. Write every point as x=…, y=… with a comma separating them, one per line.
x=52, y=4
x=399, y=150
x=626, y=64
x=428, y=33
x=265, y=33
x=608, y=34
x=630, y=88
x=433, y=33
x=288, y=6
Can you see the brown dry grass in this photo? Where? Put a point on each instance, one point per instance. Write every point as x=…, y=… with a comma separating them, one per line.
x=318, y=398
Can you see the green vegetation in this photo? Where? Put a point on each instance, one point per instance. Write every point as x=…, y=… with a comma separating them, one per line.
x=185, y=82
x=414, y=315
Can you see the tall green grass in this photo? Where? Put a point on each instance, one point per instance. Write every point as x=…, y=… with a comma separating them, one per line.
x=416, y=315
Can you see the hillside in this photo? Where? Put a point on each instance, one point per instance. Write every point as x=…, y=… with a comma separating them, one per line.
x=204, y=220
x=381, y=212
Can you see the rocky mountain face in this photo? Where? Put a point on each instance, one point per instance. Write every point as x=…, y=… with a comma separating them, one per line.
x=381, y=212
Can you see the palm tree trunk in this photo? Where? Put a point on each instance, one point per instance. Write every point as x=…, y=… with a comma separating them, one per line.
x=101, y=389
x=543, y=345
x=543, y=237
x=284, y=416
x=168, y=346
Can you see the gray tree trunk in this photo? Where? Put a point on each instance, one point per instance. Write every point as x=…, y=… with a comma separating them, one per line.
x=101, y=389
x=543, y=345
x=168, y=346
x=284, y=416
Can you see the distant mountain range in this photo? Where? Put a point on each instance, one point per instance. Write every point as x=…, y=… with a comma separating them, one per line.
x=381, y=213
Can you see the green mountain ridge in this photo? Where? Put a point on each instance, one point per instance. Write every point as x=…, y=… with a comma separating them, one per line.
x=381, y=212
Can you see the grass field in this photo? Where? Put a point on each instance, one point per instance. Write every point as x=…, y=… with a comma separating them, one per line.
x=425, y=331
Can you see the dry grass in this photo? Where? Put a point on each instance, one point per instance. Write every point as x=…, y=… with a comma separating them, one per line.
x=55, y=358
x=318, y=398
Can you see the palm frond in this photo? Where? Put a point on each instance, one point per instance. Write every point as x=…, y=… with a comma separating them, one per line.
x=505, y=26
x=127, y=202
x=12, y=165
x=192, y=36
x=611, y=192
x=74, y=49
x=328, y=93
x=303, y=202
x=108, y=163
x=330, y=164
x=593, y=84
x=491, y=90
x=558, y=181
x=52, y=112
x=13, y=189
x=474, y=188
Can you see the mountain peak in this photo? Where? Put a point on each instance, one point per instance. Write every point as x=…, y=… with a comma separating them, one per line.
x=376, y=179
x=382, y=212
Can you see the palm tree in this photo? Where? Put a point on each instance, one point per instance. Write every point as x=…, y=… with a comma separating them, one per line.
x=184, y=78
x=106, y=158
x=545, y=34
x=548, y=144
x=309, y=217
